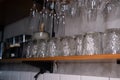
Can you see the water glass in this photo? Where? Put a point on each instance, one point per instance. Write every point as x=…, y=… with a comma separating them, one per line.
x=59, y=46
x=68, y=46
x=79, y=44
x=112, y=41
x=27, y=49
x=42, y=48
x=34, y=48
x=52, y=48
x=92, y=44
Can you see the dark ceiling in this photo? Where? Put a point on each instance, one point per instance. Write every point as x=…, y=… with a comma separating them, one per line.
x=13, y=10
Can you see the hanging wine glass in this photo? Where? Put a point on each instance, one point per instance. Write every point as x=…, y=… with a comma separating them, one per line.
x=34, y=18
x=112, y=14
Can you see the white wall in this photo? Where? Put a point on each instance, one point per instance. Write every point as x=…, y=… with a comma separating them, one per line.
x=14, y=75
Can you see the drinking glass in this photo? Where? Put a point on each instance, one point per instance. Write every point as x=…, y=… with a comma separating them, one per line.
x=34, y=48
x=42, y=48
x=27, y=49
x=79, y=44
x=59, y=46
x=52, y=48
x=65, y=46
x=112, y=41
x=68, y=46
x=92, y=44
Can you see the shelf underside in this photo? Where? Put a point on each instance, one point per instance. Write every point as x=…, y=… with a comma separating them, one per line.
x=66, y=58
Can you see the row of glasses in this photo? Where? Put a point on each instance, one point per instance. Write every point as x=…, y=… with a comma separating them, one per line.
x=87, y=44
x=64, y=46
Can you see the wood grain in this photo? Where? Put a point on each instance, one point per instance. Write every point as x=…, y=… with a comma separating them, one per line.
x=64, y=58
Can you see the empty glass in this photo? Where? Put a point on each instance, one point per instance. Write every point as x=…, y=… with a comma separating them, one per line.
x=33, y=49
x=27, y=49
x=34, y=19
x=52, y=48
x=42, y=48
x=112, y=41
x=79, y=44
x=92, y=44
x=72, y=44
x=65, y=46
x=68, y=46
x=59, y=46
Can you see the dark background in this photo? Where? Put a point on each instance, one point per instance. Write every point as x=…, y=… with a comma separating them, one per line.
x=14, y=10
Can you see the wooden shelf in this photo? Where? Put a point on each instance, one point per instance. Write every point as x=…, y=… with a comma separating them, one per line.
x=66, y=58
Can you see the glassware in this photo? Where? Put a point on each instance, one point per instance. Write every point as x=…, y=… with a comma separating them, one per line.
x=42, y=48
x=92, y=44
x=52, y=47
x=45, y=14
x=27, y=49
x=65, y=46
x=79, y=44
x=68, y=46
x=64, y=6
x=61, y=25
x=59, y=46
x=34, y=48
x=73, y=8
x=50, y=23
x=92, y=16
x=57, y=6
x=72, y=45
x=56, y=25
x=112, y=41
x=113, y=14
x=34, y=19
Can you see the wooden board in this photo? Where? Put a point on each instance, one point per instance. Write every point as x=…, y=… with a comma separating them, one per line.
x=66, y=58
